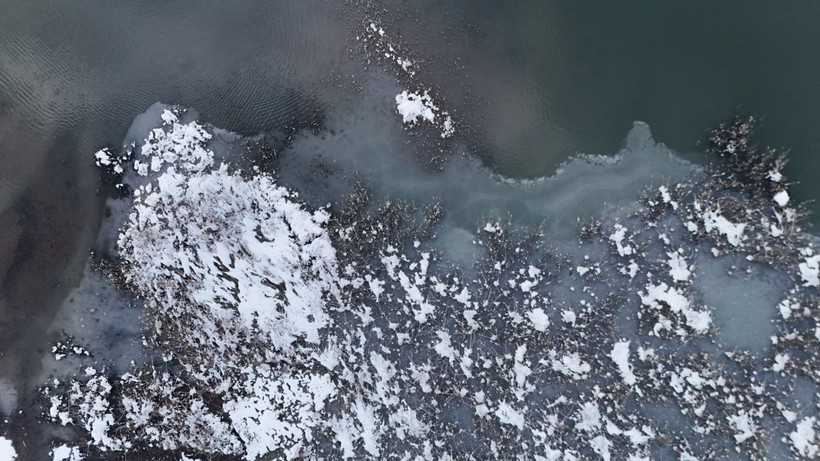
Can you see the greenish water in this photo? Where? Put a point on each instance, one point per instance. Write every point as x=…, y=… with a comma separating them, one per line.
x=534, y=81
x=531, y=83
x=549, y=78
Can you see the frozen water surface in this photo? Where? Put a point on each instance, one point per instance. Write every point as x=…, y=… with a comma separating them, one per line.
x=360, y=285
x=741, y=301
x=410, y=315
x=357, y=140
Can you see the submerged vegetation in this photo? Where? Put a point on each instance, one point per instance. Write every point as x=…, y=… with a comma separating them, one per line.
x=297, y=333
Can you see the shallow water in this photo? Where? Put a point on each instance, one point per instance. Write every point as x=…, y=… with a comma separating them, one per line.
x=530, y=84
x=738, y=295
x=741, y=298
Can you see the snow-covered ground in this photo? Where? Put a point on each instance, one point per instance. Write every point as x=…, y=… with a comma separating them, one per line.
x=288, y=329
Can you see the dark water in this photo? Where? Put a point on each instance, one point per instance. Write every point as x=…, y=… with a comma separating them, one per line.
x=550, y=78
x=72, y=78
x=531, y=82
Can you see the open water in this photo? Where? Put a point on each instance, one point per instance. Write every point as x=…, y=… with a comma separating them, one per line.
x=530, y=83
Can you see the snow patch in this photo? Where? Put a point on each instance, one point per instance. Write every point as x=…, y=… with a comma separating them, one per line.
x=781, y=198
x=810, y=270
x=804, y=439
x=66, y=453
x=539, y=319
x=620, y=355
x=714, y=221
x=420, y=106
x=7, y=452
